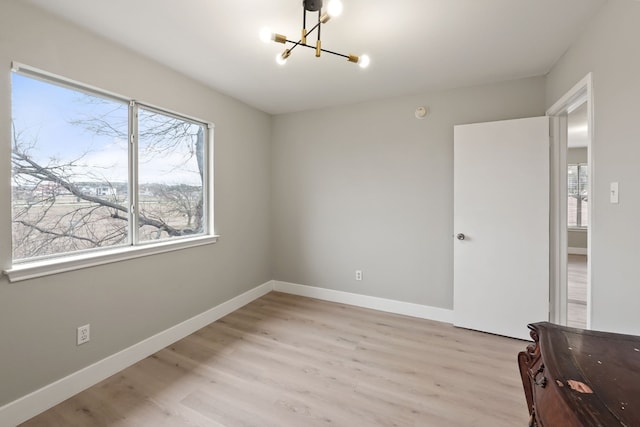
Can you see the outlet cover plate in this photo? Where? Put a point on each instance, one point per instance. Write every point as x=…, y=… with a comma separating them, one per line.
x=83, y=334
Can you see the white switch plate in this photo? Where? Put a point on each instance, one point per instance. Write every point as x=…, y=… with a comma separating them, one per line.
x=613, y=192
x=358, y=274
x=83, y=334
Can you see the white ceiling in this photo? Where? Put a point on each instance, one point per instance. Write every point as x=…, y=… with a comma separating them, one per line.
x=415, y=45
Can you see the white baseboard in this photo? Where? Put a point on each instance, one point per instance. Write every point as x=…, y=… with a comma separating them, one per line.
x=577, y=251
x=50, y=395
x=375, y=303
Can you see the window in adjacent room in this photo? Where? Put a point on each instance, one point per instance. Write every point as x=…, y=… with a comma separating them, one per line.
x=93, y=172
x=578, y=193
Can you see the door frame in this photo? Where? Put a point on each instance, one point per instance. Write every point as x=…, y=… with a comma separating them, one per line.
x=580, y=93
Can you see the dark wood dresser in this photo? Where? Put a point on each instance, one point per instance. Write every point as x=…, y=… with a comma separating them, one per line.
x=574, y=377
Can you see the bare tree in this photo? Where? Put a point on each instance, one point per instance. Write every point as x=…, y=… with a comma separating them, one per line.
x=182, y=200
x=164, y=135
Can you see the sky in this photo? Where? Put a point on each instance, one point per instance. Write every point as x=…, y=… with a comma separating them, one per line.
x=43, y=114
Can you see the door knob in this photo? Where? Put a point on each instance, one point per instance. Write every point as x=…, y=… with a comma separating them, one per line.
x=460, y=236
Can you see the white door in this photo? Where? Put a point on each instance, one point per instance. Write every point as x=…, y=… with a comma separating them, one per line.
x=501, y=225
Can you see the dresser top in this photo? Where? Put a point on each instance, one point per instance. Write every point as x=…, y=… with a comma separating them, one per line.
x=597, y=373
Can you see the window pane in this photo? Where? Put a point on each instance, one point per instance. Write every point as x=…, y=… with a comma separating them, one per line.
x=583, y=183
x=584, y=214
x=69, y=170
x=578, y=195
x=171, y=164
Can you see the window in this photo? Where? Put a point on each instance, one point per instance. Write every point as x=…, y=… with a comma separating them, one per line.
x=93, y=172
x=578, y=193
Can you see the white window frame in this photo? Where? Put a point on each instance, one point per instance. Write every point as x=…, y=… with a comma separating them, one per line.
x=29, y=269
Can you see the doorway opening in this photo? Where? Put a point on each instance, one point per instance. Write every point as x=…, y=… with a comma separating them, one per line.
x=571, y=199
x=577, y=215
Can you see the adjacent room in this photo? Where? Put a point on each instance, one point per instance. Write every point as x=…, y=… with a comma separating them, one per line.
x=305, y=213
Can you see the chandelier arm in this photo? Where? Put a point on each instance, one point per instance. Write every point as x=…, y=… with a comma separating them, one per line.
x=304, y=25
x=303, y=43
x=318, y=42
x=295, y=44
x=317, y=26
x=334, y=53
x=298, y=43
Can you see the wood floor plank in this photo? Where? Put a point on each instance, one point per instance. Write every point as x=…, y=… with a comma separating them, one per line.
x=577, y=291
x=285, y=360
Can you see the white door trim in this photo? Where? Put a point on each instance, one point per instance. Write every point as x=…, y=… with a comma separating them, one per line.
x=576, y=96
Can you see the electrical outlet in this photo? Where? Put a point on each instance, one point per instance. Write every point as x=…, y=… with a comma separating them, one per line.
x=358, y=274
x=83, y=334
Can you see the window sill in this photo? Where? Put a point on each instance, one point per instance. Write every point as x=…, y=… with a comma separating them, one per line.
x=580, y=229
x=31, y=270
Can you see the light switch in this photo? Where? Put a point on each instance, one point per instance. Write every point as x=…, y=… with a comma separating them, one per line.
x=613, y=192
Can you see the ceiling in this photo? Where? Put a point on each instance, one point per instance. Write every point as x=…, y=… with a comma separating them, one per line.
x=415, y=45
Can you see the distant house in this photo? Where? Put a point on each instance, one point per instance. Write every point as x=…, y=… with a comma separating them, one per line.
x=100, y=190
x=105, y=191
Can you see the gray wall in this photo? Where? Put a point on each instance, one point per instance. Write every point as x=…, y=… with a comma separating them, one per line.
x=577, y=155
x=577, y=238
x=371, y=187
x=609, y=49
x=128, y=301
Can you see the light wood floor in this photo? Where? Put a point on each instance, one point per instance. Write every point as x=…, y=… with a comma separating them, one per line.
x=577, y=291
x=285, y=360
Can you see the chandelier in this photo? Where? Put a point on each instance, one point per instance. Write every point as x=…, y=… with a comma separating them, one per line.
x=334, y=8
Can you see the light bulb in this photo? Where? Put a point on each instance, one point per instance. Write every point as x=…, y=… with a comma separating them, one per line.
x=281, y=59
x=266, y=35
x=334, y=8
x=364, y=61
